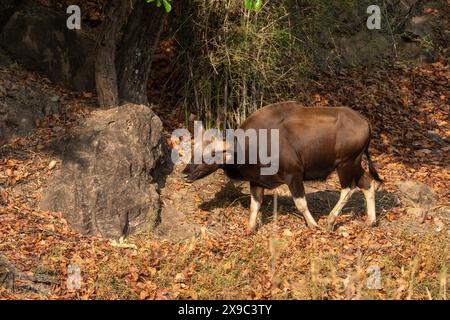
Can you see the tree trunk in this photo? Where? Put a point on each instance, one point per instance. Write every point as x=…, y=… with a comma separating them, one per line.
x=116, y=14
x=136, y=53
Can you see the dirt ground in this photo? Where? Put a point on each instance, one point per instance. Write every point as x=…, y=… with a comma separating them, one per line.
x=200, y=251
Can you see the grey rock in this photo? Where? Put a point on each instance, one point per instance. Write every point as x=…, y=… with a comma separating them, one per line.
x=106, y=183
x=5, y=61
x=38, y=38
x=19, y=111
x=420, y=25
x=416, y=193
x=6, y=10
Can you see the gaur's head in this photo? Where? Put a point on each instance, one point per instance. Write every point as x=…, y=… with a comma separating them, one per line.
x=212, y=157
x=194, y=172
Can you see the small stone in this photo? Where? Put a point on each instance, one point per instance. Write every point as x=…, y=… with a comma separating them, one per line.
x=415, y=212
x=416, y=194
x=179, y=278
x=342, y=231
x=52, y=165
x=439, y=225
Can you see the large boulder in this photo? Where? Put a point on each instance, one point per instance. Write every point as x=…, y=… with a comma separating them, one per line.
x=6, y=10
x=107, y=183
x=38, y=38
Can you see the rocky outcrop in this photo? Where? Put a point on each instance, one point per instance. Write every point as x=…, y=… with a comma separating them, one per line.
x=23, y=102
x=6, y=10
x=418, y=197
x=38, y=38
x=106, y=185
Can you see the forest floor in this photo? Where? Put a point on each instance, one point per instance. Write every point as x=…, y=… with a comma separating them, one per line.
x=207, y=256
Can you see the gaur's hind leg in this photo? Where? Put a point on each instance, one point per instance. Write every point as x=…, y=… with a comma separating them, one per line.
x=256, y=199
x=367, y=186
x=347, y=173
x=298, y=193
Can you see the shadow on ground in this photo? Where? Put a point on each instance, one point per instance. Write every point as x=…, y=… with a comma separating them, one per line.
x=320, y=203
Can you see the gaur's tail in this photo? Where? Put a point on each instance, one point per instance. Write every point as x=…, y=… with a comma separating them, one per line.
x=372, y=170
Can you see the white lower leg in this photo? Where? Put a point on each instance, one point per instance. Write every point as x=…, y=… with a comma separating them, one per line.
x=346, y=194
x=302, y=206
x=255, y=205
x=370, y=202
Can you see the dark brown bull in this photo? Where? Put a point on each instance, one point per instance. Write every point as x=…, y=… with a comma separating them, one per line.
x=312, y=142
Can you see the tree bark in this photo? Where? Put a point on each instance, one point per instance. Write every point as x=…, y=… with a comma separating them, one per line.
x=116, y=14
x=141, y=36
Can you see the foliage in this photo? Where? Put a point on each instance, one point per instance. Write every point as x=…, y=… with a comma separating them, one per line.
x=236, y=58
x=166, y=3
x=253, y=4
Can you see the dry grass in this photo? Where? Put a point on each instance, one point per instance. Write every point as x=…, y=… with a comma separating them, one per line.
x=290, y=265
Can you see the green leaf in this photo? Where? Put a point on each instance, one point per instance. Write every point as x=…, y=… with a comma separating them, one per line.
x=257, y=4
x=167, y=5
x=248, y=4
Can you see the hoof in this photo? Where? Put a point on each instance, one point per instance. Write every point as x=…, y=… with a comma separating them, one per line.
x=250, y=231
x=313, y=226
x=330, y=227
x=370, y=224
x=330, y=224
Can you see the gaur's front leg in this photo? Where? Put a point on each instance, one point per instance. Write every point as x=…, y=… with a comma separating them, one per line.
x=298, y=193
x=346, y=193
